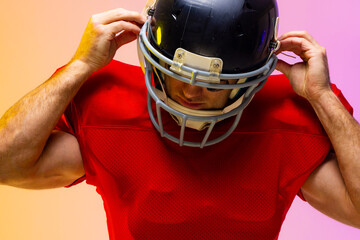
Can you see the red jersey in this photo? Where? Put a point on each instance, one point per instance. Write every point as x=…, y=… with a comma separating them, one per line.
x=240, y=188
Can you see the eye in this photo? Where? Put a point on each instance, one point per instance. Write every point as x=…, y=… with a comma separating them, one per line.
x=222, y=81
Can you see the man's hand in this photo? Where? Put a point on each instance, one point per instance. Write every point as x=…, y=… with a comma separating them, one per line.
x=105, y=33
x=337, y=179
x=310, y=78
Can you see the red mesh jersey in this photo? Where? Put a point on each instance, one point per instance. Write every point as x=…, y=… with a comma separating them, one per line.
x=240, y=188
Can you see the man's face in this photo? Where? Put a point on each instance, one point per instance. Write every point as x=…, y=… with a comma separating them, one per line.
x=196, y=97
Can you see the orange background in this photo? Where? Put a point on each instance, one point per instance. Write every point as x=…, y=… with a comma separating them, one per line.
x=38, y=36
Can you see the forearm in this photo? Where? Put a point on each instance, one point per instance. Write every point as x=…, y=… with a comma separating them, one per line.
x=344, y=133
x=27, y=125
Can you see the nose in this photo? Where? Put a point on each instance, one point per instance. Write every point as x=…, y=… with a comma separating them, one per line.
x=192, y=91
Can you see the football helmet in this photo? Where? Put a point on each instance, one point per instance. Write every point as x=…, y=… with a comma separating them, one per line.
x=203, y=42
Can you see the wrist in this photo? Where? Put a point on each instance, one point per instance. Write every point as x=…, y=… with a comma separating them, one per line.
x=322, y=96
x=81, y=67
x=326, y=103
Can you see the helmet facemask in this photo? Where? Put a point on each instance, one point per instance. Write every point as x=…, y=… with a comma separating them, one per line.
x=198, y=70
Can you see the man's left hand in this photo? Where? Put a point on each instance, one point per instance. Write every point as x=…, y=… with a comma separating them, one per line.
x=309, y=78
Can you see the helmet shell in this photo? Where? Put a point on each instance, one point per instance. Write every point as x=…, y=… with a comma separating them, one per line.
x=237, y=31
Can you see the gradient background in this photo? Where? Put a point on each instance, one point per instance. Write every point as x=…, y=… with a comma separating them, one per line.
x=38, y=36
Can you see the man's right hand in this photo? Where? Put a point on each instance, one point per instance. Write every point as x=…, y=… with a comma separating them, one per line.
x=105, y=33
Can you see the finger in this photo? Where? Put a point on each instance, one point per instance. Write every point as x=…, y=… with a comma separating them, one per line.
x=125, y=37
x=119, y=14
x=283, y=67
x=299, y=34
x=117, y=27
x=299, y=46
x=295, y=44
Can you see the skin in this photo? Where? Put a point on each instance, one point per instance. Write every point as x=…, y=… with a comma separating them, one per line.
x=32, y=155
x=196, y=97
x=337, y=179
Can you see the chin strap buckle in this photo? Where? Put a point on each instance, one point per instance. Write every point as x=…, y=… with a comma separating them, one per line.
x=275, y=44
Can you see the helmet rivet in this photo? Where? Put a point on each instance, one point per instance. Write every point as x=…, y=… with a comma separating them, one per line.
x=216, y=64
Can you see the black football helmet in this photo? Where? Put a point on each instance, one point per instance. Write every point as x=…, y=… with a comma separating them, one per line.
x=201, y=42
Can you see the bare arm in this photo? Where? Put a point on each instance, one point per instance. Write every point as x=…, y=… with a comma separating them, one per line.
x=344, y=133
x=334, y=187
x=59, y=164
x=326, y=191
x=26, y=127
x=27, y=141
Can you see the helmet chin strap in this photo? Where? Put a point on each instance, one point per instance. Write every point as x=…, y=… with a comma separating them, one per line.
x=275, y=44
x=236, y=90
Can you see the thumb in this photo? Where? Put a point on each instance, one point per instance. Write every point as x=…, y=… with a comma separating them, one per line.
x=283, y=67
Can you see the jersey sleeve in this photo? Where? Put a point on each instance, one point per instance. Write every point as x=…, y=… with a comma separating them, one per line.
x=342, y=99
x=348, y=107
x=65, y=124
